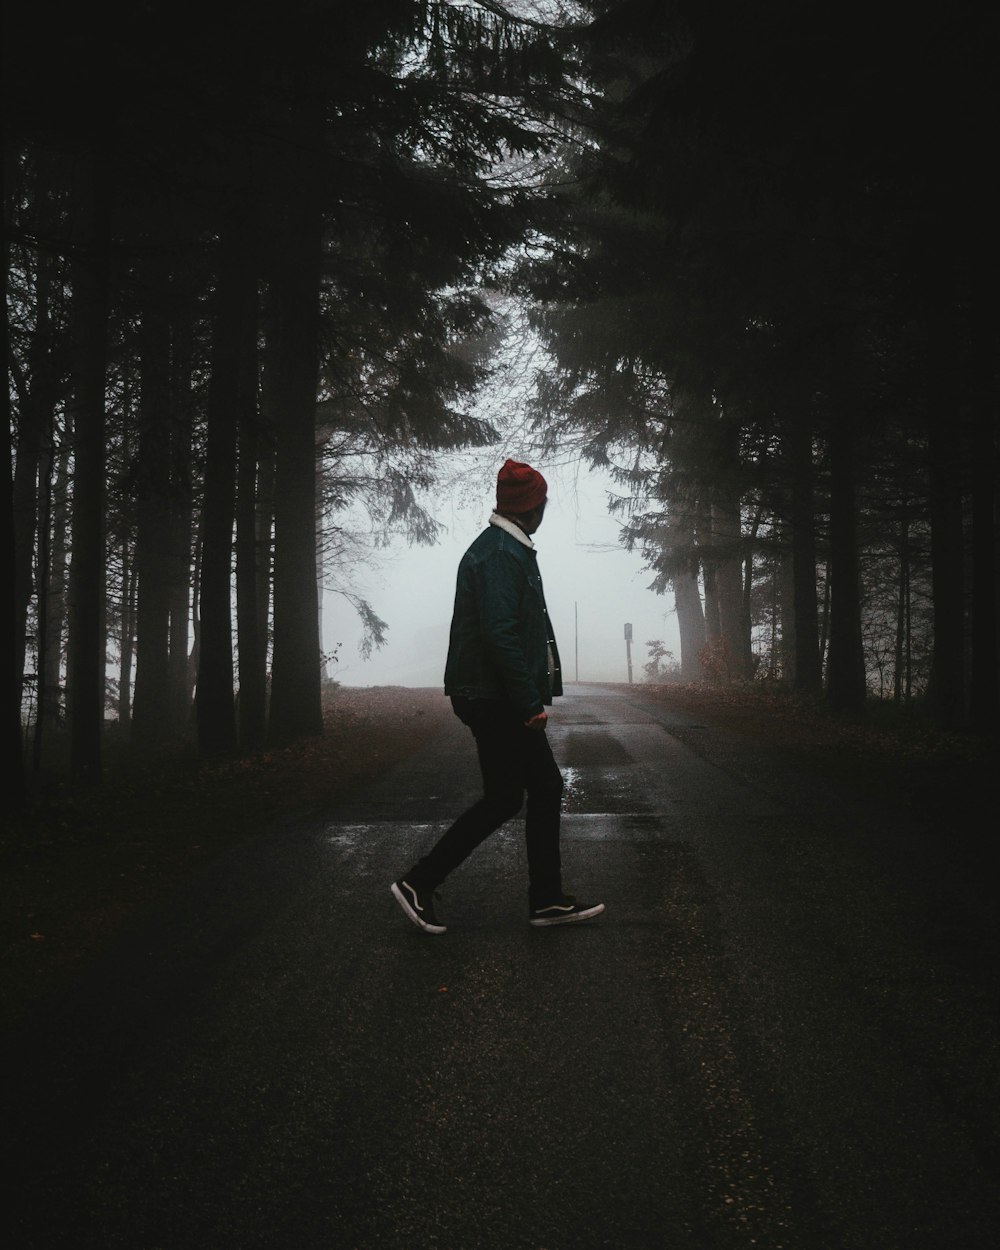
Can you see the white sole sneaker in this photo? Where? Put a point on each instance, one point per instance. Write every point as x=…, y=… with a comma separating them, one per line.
x=567, y=912
x=421, y=915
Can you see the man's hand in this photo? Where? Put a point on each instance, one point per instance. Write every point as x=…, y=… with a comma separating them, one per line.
x=536, y=722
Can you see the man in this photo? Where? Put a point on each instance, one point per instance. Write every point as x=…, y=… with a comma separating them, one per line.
x=502, y=671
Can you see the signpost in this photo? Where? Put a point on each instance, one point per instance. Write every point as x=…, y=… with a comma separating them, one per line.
x=628, y=650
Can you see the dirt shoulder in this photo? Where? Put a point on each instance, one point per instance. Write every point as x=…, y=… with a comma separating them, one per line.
x=75, y=873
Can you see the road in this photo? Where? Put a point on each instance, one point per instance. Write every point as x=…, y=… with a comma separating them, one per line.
x=767, y=1040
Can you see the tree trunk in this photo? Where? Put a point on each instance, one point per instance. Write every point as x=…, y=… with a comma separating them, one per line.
x=690, y=624
x=900, y=675
x=13, y=752
x=152, y=723
x=807, y=672
x=216, y=711
x=182, y=503
x=946, y=687
x=195, y=661
x=749, y=545
x=787, y=641
x=52, y=594
x=729, y=582
x=680, y=539
x=38, y=399
x=296, y=704
x=265, y=535
x=126, y=648
x=252, y=639
x=43, y=662
x=713, y=613
x=846, y=664
x=89, y=315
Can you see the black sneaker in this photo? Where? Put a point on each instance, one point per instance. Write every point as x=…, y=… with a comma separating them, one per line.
x=420, y=908
x=565, y=911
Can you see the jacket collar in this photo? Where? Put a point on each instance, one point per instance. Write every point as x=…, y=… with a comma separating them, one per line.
x=510, y=528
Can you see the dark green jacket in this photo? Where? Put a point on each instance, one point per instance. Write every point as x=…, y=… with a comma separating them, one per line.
x=501, y=635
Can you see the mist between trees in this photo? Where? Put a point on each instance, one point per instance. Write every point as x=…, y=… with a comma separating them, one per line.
x=259, y=273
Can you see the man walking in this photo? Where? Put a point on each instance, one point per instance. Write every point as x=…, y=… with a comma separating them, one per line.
x=502, y=671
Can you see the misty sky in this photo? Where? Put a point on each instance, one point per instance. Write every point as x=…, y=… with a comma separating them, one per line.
x=581, y=563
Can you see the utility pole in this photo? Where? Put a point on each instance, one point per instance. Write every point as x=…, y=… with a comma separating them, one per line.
x=576, y=641
x=628, y=650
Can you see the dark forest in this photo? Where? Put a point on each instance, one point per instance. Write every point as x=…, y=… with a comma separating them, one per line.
x=258, y=269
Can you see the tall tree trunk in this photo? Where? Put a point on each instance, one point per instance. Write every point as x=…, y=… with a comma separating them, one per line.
x=713, y=613
x=251, y=639
x=946, y=687
x=38, y=397
x=296, y=705
x=807, y=675
x=787, y=655
x=824, y=619
x=729, y=582
x=126, y=649
x=13, y=742
x=900, y=676
x=52, y=593
x=44, y=706
x=747, y=662
x=265, y=534
x=181, y=504
x=846, y=665
x=89, y=315
x=690, y=624
x=195, y=660
x=216, y=710
x=152, y=724
x=13, y=748
x=681, y=539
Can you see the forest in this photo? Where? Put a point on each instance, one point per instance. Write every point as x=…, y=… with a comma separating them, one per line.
x=259, y=270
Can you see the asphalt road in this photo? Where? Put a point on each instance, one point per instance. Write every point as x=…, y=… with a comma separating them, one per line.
x=770, y=1039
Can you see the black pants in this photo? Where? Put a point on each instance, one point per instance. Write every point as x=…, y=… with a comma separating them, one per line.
x=514, y=761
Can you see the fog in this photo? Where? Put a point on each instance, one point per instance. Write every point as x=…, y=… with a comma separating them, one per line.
x=592, y=587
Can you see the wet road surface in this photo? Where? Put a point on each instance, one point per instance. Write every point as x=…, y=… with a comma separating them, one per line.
x=763, y=1042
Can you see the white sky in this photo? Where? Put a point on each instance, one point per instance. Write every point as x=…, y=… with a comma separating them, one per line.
x=592, y=587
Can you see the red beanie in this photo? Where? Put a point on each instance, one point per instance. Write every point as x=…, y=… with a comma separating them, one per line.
x=519, y=488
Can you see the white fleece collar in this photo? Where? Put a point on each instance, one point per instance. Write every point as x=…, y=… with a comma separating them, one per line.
x=515, y=531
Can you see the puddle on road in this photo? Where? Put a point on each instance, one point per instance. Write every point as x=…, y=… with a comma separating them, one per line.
x=600, y=789
x=571, y=788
